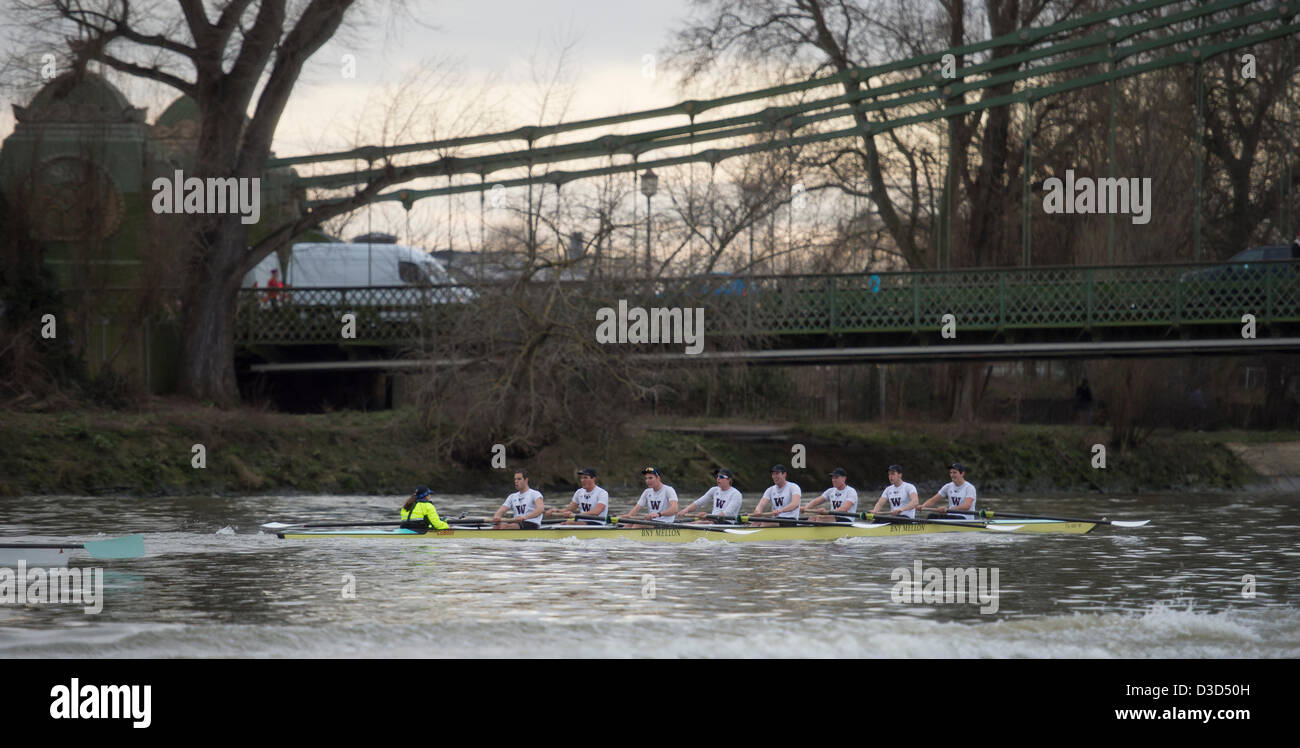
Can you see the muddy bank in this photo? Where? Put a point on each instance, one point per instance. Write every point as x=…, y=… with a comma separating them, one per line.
x=154, y=452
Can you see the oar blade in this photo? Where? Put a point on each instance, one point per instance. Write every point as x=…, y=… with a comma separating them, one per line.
x=127, y=546
x=277, y=526
x=1130, y=523
x=1002, y=528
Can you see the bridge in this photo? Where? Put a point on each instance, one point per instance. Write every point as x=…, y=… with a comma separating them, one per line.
x=982, y=314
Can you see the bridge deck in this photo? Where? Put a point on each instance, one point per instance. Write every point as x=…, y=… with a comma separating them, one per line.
x=1056, y=304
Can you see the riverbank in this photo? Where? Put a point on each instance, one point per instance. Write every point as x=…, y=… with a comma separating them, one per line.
x=154, y=452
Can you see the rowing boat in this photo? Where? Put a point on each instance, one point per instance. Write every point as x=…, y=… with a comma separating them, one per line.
x=685, y=533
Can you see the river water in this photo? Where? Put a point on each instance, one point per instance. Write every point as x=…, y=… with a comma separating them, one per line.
x=213, y=585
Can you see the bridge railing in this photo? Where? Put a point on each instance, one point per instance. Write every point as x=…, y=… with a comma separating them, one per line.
x=978, y=299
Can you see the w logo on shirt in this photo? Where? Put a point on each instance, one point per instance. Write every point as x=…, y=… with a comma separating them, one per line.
x=654, y=505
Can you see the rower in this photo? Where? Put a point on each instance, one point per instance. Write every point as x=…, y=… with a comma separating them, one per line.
x=900, y=496
x=721, y=500
x=419, y=507
x=959, y=493
x=660, y=500
x=526, y=503
x=840, y=496
x=782, y=495
x=590, y=499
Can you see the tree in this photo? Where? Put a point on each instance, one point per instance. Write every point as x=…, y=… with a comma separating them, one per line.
x=250, y=56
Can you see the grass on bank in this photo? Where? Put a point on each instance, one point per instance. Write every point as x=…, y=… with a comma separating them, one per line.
x=149, y=452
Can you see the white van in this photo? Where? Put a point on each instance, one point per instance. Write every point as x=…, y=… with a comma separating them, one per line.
x=408, y=274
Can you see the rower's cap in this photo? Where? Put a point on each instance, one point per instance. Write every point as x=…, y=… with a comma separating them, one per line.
x=724, y=473
x=958, y=467
x=422, y=491
x=896, y=469
x=588, y=471
x=651, y=470
x=778, y=468
x=839, y=471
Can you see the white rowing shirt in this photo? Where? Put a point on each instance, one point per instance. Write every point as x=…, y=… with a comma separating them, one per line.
x=658, y=501
x=720, y=502
x=842, y=501
x=900, y=496
x=781, y=497
x=524, y=503
x=588, y=501
x=957, y=495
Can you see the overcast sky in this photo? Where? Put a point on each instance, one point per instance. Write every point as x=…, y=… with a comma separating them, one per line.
x=485, y=54
x=476, y=41
x=497, y=41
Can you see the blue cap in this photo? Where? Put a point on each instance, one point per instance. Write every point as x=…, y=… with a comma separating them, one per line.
x=422, y=491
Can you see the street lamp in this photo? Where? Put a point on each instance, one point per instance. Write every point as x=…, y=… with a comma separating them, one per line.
x=649, y=186
x=753, y=193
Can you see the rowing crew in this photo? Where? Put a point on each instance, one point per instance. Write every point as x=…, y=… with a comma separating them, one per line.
x=721, y=504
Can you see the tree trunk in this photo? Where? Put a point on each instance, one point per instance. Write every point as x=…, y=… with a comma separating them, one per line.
x=211, y=287
x=967, y=388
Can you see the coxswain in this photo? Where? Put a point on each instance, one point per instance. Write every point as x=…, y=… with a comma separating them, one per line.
x=722, y=500
x=420, y=507
x=525, y=502
x=840, y=497
x=899, y=496
x=959, y=493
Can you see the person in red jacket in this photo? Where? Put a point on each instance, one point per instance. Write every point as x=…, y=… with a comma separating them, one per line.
x=273, y=287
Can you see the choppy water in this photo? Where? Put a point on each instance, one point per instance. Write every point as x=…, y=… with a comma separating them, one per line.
x=212, y=585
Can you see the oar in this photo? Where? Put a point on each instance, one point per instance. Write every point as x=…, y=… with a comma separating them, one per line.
x=730, y=530
x=1118, y=523
x=888, y=518
x=127, y=546
x=779, y=520
x=282, y=526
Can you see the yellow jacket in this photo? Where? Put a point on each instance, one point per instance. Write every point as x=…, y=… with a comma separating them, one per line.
x=424, y=509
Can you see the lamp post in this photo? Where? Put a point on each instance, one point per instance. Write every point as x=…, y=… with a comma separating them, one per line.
x=753, y=194
x=649, y=186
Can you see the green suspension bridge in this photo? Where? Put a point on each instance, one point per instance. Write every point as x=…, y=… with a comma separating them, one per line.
x=997, y=313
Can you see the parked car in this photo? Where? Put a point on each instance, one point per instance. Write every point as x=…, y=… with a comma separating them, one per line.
x=1244, y=282
x=1246, y=264
x=712, y=284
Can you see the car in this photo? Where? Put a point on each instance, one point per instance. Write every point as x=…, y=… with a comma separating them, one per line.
x=1250, y=280
x=370, y=274
x=1239, y=266
x=700, y=286
x=387, y=286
